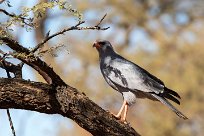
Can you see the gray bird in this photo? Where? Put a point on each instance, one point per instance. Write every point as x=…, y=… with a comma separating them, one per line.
x=132, y=81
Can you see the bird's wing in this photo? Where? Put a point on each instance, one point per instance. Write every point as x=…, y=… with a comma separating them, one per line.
x=128, y=75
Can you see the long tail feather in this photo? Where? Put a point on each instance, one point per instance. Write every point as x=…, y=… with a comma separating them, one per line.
x=169, y=91
x=170, y=97
x=168, y=104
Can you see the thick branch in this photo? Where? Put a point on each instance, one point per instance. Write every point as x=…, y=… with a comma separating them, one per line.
x=35, y=96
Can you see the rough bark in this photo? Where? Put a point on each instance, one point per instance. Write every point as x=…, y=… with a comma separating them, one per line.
x=67, y=101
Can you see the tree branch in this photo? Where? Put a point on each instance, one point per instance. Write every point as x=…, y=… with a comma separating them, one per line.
x=22, y=19
x=6, y=13
x=47, y=38
x=10, y=67
x=76, y=27
x=35, y=62
x=10, y=121
x=4, y=63
x=102, y=21
x=41, y=97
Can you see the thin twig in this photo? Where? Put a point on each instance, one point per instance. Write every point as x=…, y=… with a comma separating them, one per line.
x=76, y=27
x=10, y=67
x=50, y=50
x=101, y=19
x=11, y=123
x=5, y=67
x=47, y=38
x=18, y=16
x=92, y=28
x=6, y=13
x=7, y=110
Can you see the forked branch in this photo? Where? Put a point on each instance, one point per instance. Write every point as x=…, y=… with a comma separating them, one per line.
x=76, y=27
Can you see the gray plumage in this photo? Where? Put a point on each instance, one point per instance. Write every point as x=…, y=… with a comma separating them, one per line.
x=131, y=80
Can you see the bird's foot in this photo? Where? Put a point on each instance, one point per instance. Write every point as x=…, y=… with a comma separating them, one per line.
x=124, y=121
x=117, y=116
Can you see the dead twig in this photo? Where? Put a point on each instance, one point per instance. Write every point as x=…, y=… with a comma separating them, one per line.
x=6, y=13
x=98, y=25
x=50, y=50
x=47, y=38
x=5, y=67
x=7, y=110
x=10, y=67
x=11, y=123
x=76, y=27
x=23, y=19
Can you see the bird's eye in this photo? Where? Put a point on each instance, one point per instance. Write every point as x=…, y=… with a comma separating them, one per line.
x=102, y=43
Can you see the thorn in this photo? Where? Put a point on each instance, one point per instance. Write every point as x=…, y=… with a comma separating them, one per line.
x=47, y=34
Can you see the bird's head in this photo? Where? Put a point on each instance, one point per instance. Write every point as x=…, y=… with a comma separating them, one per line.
x=103, y=46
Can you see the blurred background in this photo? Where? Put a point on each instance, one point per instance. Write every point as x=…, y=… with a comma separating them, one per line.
x=163, y=36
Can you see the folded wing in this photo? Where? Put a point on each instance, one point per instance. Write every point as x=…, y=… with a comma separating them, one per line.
x=128, y=75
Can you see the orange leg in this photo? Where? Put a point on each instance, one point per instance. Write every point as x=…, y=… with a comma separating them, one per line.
x=121, y=110
x=125, y=113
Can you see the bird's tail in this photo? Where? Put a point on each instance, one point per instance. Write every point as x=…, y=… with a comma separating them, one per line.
x=171, y=95
x=168, y=104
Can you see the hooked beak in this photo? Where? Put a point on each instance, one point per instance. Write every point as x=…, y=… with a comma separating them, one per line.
x=96, y=45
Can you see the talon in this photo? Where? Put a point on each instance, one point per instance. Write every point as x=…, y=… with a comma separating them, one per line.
x=116, y=116
x=124, y=121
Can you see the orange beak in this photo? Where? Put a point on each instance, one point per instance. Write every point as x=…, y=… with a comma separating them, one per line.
x=96, y=45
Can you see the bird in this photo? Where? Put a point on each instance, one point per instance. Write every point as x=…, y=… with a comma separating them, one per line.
x=132, y=81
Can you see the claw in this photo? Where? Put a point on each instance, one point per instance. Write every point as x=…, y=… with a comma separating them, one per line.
x=124, y=121
x=118, y=116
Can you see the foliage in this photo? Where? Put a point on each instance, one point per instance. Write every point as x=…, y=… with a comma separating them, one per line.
x=29, y=15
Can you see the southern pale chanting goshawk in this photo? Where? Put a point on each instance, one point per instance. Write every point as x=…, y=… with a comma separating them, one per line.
x=132, y=81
